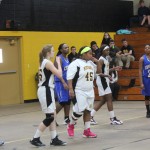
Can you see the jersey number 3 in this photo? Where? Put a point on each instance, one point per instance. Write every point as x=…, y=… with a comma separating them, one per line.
x=89, y=76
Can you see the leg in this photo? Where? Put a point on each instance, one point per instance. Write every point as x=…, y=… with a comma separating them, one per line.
x=114, y=120
x=87, y=132
x=118, y=61
x=66, y=112
x=96, y=108
x=54, y=138
x=148, y=18
x=147, y=98
x=143, y=21
x=129, y=59
x=43, y=125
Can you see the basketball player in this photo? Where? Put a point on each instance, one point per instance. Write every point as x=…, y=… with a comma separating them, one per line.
x=80, y=76
x=103, y=81
x=46, y=96
x=144, y=75
x=62, y=93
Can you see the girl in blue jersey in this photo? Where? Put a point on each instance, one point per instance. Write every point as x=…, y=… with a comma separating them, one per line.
x=144, y=75
x=62, y=94
x=47, y=70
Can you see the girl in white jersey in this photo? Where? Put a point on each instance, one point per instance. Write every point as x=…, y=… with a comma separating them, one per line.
x=80, y=76
x=46, y=95
x=104, y=90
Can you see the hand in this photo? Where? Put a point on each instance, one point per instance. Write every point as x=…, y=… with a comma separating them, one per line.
x=65, y=86
x=118, y=68
x=71, y=93
x=142, y=86
x=94, y=59
x=110, y=78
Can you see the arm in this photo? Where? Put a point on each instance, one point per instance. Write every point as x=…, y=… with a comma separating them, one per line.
x=57, y=72
x=71, y=92
x=140, y=72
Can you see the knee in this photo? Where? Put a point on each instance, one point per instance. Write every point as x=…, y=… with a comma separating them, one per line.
x=48, y=120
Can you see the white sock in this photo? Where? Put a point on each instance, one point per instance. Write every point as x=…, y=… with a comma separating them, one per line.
x=87, y=125
x=72, y=121
x=37, y=133
x=53, y=134
x=93, y=112
x=112, y=114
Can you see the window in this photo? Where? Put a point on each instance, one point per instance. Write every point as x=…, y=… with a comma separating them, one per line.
x=1, y=56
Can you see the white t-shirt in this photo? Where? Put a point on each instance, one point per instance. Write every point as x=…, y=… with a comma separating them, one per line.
x=82, y=73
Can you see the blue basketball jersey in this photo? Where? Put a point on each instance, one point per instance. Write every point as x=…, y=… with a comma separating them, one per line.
x=146, y=67
x=146, y=76
x=64, y=66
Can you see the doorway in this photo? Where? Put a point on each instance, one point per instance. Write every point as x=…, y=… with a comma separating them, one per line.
x=10, y=71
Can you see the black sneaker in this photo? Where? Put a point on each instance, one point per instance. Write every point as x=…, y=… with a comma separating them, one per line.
x=148, y=115
x=37, y=142
x=57, y=142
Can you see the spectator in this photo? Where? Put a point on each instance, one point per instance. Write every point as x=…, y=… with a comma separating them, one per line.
x=113, y=53
x=106, y=39
x=73, y=55
x=143, y=13
x=96, y=51
x=126, y=55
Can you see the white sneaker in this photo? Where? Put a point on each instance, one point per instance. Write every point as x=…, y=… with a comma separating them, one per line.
x=115, y=121
x=66, y=121
x=1, y=142
x=93, y=122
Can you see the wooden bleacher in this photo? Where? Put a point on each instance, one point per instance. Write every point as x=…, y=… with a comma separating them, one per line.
x=137, y=41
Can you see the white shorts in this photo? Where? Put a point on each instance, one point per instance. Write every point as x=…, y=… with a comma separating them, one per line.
x=103, y=86
x=84, y=101
x=46, y=98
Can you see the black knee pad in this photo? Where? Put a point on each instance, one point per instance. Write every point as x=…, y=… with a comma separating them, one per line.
x=48, y=120
x=76, y=116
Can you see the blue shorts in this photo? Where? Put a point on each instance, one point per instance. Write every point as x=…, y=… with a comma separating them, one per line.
x=146, y=90
x=61, y=93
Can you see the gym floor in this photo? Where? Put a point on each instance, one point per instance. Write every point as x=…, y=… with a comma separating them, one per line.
x=18, y=124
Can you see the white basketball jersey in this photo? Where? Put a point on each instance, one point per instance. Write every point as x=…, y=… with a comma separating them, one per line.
x=46, y=78
x=82, y=73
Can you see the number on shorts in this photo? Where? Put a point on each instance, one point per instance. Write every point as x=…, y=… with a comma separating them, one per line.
x=89, y=76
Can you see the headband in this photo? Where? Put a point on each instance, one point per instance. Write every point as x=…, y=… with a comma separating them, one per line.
x=86, y=49
x=106, y=47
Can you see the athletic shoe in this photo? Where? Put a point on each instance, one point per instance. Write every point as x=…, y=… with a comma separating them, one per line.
x=57, y=142
x=70, y=129
x=1, y=142
x=92, y=121
x=37, y=142
x=66, y=121
x=115, y=121
x=88, y=134
x=148, y=115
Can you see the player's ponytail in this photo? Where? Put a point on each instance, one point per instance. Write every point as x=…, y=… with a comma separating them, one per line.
x=44, y=52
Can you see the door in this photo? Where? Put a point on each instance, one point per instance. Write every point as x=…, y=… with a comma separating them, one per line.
x=10, y=83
